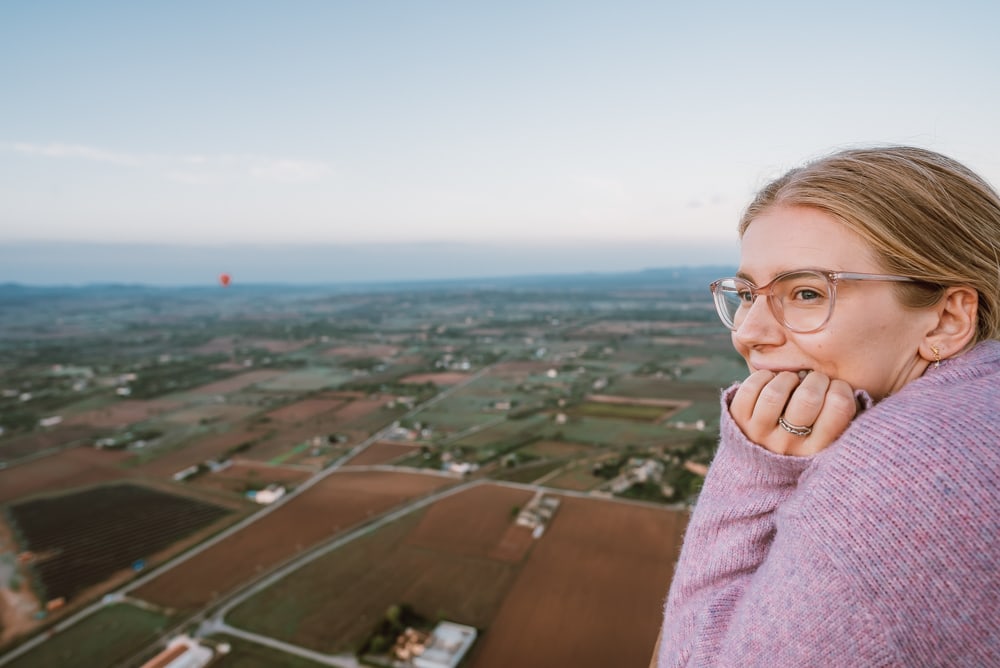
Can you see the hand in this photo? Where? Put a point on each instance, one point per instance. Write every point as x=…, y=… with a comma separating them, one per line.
x=828, y=406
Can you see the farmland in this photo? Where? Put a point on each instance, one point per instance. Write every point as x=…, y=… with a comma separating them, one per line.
x=336, y=504
x=624, y=554
x=354, y=404
x=464, y=559
x=445, y=561
x=80, y=539
x=108, y=638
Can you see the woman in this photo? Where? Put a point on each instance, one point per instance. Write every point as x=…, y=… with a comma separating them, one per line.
x=851, y=513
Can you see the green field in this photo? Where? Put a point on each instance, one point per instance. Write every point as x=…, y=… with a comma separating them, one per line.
x=529, y=472
x=506, y=433
x=250, y=655
x=109, y=637
x=619, y=433
x=622, y=411
x=305, y=380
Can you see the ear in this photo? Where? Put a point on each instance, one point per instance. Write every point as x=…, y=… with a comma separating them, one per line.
x=955, y=326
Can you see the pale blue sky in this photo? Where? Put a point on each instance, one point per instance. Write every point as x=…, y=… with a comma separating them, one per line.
x=536, y=122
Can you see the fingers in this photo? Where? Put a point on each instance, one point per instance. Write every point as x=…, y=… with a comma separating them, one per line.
x=807, y=400
x=839, y=408
x=816, y=402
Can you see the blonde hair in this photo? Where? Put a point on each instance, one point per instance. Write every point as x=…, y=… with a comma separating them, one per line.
x=925, y=215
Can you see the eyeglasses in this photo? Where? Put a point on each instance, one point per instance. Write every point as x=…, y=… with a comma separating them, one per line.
x=801, y=300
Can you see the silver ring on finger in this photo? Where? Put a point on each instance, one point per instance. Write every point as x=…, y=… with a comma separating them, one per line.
x=793, y=428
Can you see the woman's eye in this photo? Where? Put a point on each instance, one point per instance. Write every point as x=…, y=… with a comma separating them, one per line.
x=745, y=296
x=807, y=294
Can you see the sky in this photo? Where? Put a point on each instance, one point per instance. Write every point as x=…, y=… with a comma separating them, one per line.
x=163, y=142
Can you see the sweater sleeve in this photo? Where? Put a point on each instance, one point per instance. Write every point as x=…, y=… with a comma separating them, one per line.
x=729, y=536
x=878, y=551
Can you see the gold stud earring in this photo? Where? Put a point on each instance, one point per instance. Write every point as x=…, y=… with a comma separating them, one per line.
x=937, y=356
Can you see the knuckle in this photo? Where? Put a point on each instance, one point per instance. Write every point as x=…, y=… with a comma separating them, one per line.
x=809, y=398
x=773, y=396
x=841, y=402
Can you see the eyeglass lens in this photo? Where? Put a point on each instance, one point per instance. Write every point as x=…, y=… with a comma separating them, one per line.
x=802, y=300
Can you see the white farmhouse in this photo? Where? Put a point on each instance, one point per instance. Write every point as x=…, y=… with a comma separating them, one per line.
x=446, y=646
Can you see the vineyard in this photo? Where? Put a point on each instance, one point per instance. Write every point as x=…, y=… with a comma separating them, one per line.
x=79, y=540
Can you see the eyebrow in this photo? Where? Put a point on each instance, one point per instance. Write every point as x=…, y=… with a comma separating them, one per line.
x=746, y=277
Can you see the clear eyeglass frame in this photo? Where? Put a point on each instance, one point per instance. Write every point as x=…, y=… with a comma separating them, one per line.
x=732, y=295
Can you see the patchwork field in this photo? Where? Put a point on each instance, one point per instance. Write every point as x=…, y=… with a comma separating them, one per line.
x=566, y=376
x=451, y=560
x=464, y=559
x=337, y=503
x=356, y=419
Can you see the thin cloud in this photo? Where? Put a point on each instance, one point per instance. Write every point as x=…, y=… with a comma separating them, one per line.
x=204, y=169
x=195, y=169
x=75, y=151
x=290, y=171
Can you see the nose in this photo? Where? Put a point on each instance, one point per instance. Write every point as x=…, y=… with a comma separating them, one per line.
x=759, y=326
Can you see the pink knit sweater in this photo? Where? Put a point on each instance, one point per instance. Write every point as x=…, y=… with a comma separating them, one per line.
x=881, y=550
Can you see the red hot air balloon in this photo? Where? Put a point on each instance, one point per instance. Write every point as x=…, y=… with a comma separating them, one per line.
x=225, y=279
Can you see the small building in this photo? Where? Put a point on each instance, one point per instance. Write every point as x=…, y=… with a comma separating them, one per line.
x=268, y=495
x=446, y=646
x=181, y=652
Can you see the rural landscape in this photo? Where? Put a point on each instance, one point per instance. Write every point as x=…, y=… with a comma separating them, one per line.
x=324, y=475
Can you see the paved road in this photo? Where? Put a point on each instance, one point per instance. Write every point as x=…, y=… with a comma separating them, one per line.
x=340, y=660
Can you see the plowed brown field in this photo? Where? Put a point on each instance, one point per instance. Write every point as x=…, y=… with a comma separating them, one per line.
x=76, y=467
x=591, y=593
x=123, y=413
x=15, y=447
x=472, y=523
x=337, y=503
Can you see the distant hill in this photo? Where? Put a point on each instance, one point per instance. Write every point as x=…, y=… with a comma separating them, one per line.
x=676, y=278
x=131, y=264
